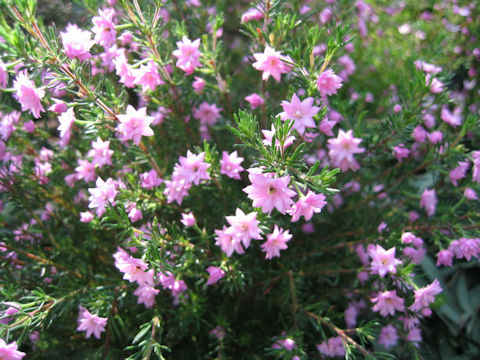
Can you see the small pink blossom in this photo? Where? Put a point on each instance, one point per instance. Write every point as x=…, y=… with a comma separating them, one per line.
x=429, y=201
x=272, y=63
x=28, y=95
x=188, y=55
x=215, y=274
x=3, y=75
x=100, y=152
x=307, y=205
x=77, y=42
x=104, y=28
x=459, y=172
x=435, y=137
x=244, y=227
x=387, y=302
x=388, y=336
x=252, y=14
x=148, y=77
x=105, y=191
x=188, y=219
x=10, y=351
x=383, y=261
x=86, y=217
x=228, y=242
x=207, y=114
x=230, y=165
x=276, y=241
x=66, y=120
x=149, y=180
x=301, y=112
x=91, y=323
x=268, y=192
x=343, y=148
x=454, y=119
x=192, y=168
x=134, y=124
x=419, y=134
x=268, y=137
x=146, y=295
x=470, y=194
x=85, y=170
x=328, y=83
x=401, y=152
x=445, y=257
x=255, y=100
x=332, y=347
x=426, y=295
x=198, y=85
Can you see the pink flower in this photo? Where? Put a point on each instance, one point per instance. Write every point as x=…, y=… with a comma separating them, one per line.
x=326, y=126
x=268, y=192
x=207, y=114
x=85, y=170
x=388, y=336
x=470, y=194
x=301, y=112
x=77, y=42
x=459, y=172
x=188, y=219
x=445, y=257
x=215, y=274
x=419, y=134
x=104, y=28
x=230, y=165
x=255, y=100
x=3, y=75
x=465, y=248
x=244, y=227
x=192, y=168
x=176, y=190
x=91, y=323
x=342, y=150
x=387, y=302
x=103, y=193
x=146, y=295
x=101, y=153
x=328, y=83
x=401, y=152
x=10, y=351
x=429, y=201
x=476, y=170
x=134, y=124
x=66, y=120
x=414, y=335
x=397, y=108
x=134, y=214
x=127, y=74
x=307, y=205
x=86, y=217
x=435, y=136
x=268, y=137
x=272, y=63
x=28, y=95
x=198, y=85
x=276, y=241
x=425, y=296
x=149, y=180
x=454, y=119
x=188, y=55
x=286, y=343
x=383, y=261
x=59, y=106
x=228, y=242
x=252, y=14
x=147, y=77
x=332, y=347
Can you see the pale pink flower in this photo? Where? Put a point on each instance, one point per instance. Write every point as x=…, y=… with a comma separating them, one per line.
x=228, y=242
x=388, y=336
x=146, y=295
x=436, y=86
x=388, y=302
x=276, y=241
x=3, y=75
x=77, y=42
x=272, y=63
x=328, y=83
x=207, y=114
x=244, y=227
x=188, y=219
x=128, y=75
x=343, y=148
x=307, y=205
x=66, y=120
x=252, y=14
x=59, y=106
x=86, y=217
x=230, y=165
x=326, y=126
x=134, y=124
x=268, y=137
x=85, y=170
x=198, y=85
x=429, y=201
x=215, y=274
x=476, y=169
x=383, y=261
x=104, y=28
x=414, y=335
x=454, y=119
x=147, y=76
x=426, y=295
x=133, y=213
x=105, y=191
x=10, y=351
x=435, y=136
x=470, y=194
x=28, y=95
x=254, y=100
x=465, y=248
x=176, y=190
x=192, y=168
x=401, y=152
x=459, y=172
x=188, y=55
x=332, y=347
x=445, y=257
x=29, y=126
x=419, y=134
x=149, y=180
x=285, y=343
x=91, y=323
x=301, y=112
x=268, y=192
x=100, y=152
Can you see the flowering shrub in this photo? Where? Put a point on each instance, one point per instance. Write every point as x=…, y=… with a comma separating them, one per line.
x=275, y=179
